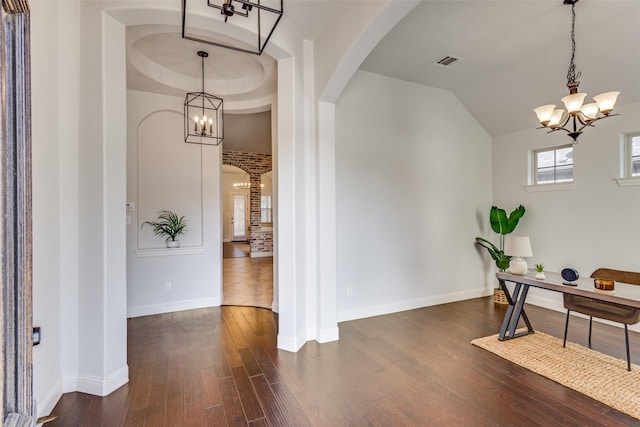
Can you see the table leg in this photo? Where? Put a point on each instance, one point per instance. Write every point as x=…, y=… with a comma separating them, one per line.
x=515, y=311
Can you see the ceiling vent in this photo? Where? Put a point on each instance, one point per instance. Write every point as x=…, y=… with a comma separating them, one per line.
x=449, y=61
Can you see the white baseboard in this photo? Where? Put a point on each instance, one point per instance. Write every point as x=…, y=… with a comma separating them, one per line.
x=170, y=307
x=292, y=344
x=48, y=402
x=96, y=385
x=394, y=307
x=327, y=335
x=69, y=383
x=260, y=254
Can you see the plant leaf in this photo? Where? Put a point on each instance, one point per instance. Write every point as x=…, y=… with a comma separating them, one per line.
x=502, y=260
x=514, y=217
x=498, y=220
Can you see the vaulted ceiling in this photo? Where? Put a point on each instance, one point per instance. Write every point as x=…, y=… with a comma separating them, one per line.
x=515, y=54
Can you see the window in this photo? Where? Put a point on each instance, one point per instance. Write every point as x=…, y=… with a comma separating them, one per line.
x=553, y=165
x=265, y=208
x=629, y=159
x=632, y=148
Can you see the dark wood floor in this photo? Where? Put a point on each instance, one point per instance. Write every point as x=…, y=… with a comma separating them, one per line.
x=219, y=367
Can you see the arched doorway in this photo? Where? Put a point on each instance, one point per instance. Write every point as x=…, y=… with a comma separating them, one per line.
x=247, y=265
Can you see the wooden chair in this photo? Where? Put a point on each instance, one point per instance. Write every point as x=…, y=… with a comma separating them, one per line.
x=603, y=309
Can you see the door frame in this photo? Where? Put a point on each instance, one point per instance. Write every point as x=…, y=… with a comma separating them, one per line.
x=247, y=212
x=16, y=333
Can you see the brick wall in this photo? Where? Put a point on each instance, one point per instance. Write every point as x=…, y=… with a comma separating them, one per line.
x=255, y=164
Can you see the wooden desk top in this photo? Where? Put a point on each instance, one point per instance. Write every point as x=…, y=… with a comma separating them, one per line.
x=624, y=294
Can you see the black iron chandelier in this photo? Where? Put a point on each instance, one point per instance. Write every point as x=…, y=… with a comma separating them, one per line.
x=203, y=115
x=263, y=19
x=578, y=115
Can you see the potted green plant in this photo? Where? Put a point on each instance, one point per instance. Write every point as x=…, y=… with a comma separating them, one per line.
x=540, y=272
x=169, y=225
x=503, y=225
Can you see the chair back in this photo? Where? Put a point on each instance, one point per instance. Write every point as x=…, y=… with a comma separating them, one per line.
x=630, y=277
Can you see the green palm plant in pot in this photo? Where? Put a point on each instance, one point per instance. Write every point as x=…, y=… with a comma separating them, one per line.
x=169, y=225
x=502, y=225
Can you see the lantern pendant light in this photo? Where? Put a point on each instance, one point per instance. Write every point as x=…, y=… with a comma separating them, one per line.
x=203, y=115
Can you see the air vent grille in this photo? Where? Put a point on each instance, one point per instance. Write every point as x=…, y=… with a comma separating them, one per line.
x=449, y=61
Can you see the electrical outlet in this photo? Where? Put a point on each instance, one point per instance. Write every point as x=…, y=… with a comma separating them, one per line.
x=350, y=291
x=167, y=286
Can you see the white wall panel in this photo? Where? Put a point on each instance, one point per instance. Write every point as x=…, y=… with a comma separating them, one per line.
x=413, y=189
x=169, y=178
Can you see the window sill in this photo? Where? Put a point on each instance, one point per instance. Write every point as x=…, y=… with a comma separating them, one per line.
x=142, y=253
x=551, y=187
x=627, y=182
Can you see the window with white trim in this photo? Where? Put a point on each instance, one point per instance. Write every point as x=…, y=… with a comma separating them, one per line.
x=265, y=209
x=553, y=165
x=632, y=155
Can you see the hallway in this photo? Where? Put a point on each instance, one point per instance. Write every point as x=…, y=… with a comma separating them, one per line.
x=246, y=281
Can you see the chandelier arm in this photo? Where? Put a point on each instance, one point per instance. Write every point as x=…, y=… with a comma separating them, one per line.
x=559, y=128
x=584, y=121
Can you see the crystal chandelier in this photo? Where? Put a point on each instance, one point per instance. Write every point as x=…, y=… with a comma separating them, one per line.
x=203, y=115
x=578, y=115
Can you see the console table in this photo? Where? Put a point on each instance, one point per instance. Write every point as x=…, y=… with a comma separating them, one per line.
x=625, y=294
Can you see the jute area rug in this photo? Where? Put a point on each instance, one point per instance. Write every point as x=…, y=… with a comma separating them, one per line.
x=599, y=376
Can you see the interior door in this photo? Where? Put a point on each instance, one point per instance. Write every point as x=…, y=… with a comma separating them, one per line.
x=239, y=219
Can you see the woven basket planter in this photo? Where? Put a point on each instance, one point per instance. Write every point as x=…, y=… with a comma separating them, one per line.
x=499, y=297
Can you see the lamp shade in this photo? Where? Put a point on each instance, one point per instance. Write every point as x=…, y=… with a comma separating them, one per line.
x=573, y=102
x=517, y=246
x=556, y=118
x=544, y=113
x=590, y=111
x=606, y=101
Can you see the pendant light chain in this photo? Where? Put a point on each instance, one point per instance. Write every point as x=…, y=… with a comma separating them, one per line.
x=202, y=58
x=571, y=74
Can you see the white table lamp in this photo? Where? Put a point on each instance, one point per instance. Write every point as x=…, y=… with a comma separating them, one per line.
x=518, y=247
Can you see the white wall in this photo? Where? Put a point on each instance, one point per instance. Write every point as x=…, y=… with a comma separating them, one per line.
x=47, y=363
x=413, y=179
x=78, y=223
x=166, y=173
x=593, y=225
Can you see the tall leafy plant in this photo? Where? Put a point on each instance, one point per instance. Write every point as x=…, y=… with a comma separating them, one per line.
x=502, y=225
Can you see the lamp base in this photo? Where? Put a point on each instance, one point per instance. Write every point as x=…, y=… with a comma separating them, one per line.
x=518, y=266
